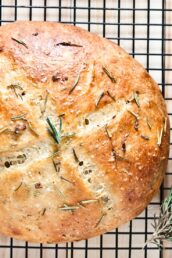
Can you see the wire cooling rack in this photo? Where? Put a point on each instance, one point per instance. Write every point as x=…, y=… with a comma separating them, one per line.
x=144, y=29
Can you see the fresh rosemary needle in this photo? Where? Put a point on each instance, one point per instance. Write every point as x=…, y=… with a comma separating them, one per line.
x=53, y=131
x=163, y=224
x=20, y=42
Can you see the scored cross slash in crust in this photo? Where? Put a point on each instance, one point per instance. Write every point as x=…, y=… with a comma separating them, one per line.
x=84, y=134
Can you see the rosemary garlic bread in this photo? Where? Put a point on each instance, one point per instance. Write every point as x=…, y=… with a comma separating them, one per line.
x=84, y=133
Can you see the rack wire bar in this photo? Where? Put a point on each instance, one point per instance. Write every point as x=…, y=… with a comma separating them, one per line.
x=144, y=29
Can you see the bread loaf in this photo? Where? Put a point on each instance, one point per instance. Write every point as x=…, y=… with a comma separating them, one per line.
x=84, y=134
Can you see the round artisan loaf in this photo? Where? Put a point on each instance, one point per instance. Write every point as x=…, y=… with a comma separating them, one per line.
x=84, y=133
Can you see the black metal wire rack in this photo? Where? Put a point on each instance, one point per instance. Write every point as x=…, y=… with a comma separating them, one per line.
x=143, y=28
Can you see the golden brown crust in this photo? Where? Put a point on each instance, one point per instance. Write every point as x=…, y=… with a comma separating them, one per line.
x=114, y=141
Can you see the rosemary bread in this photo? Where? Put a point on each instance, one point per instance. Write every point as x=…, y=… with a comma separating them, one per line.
x=84, y=133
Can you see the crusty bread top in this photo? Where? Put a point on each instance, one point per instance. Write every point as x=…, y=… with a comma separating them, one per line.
x=106, y=162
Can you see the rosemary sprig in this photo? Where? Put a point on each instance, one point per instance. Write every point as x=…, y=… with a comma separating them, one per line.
x=75, y=83
x=109, y=75
x=159, y=136
x=20, y=42
x=53, y=131
x=68, y=208
x=163, y=224
x=136, y=98
x=99, y=99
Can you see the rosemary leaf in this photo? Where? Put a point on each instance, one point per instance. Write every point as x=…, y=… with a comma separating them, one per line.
x=32, y=129
x=67, y=180
x=75, y=155
x=14, y=87
x=3, y=129
x=148, y=123
x=55, y=166
x=107, y=132
x=159, y=136
x=43, y=212
x=110, y=95
x=88, y=201
x=109, y=75
x=99, y=99
x=19, y=117
x=165, y=124
x=54, y=133
x=136, y=98
x=45, y=104
x=134, y=114
x=68, y=208
x=18, y=187
x=145, y=137
x=68, y=44
x=99, y=221
x=20, y=42
x=54, y=154
x=75, y=83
